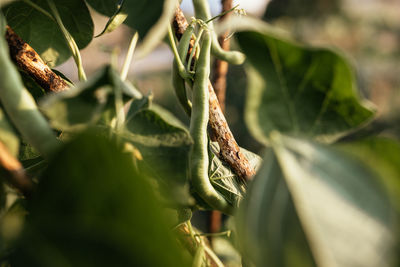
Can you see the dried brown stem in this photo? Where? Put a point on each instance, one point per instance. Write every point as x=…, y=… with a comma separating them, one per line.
x=30, y=62
x=13, y=172
x=215, y=221
x=218, y=126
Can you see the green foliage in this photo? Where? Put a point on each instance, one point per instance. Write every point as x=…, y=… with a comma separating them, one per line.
x=149, y=18
x=115, y=20
x=164, y=148
x=310, y=193
x=8, y=136
x=86, y=104
x=225, y=180
x=384, y=155
x=91, y=207
x=112, y=172
x=298, y=90
x=142, y=14
x=41, y=32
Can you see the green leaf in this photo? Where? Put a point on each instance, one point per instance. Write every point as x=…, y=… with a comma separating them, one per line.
x=334, y=205
x=164, y=146
x=32, y=86
x=3, y=23
x=383, y=155
x=149, y=18
x=43, y=34
x=298, y=90
x=11, y=223
x=92, y=208
x=80, y=107
x=8, y=136
x=3, y=200
x=5, y=2
x=115, y=20
x=225, y=180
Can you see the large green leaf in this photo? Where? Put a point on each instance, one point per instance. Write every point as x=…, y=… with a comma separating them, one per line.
x=164, y=145
x=43, y=34
x=298, y=90
x=92, y=208
x=329, y=199
x=268, y=226
x=383, y=154
x=149, y=18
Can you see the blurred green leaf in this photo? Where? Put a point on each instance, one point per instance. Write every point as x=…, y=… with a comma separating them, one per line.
x=225, y=180
x=8, y=135
x=80, y=107
x=43, y=34
x=11, y=223
x=35, y=89
x=3, y=23
x=115, y=20
x=92, y=208
x=269, y=230
x=149, y=18
x=298, y=90
x=383, y=156
x=343, y=213
x=164, y=146
x=2, y=201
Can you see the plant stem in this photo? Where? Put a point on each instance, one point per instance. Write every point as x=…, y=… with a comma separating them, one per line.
x=70, y=41
x=31, y=63
x=191, y=231
x=129, y=56
x=227, y=233
x=15, y=173
x=223, y=13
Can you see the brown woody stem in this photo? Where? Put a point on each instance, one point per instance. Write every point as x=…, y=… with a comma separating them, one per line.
x=14, y=172
x=30, y=62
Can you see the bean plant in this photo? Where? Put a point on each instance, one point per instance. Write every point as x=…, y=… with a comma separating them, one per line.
x=97, y=174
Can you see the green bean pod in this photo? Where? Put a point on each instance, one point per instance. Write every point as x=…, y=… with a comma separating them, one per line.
x=198, y=157
x=180, y=90
x=183, y=46
x=20, y=105
x=178, y=81
x=202, y=11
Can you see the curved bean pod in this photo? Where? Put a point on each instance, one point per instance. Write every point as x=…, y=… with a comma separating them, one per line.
x=183, y=46
x=198, y=157
x=178, y=81
x=180, y=90
x=202, y=11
